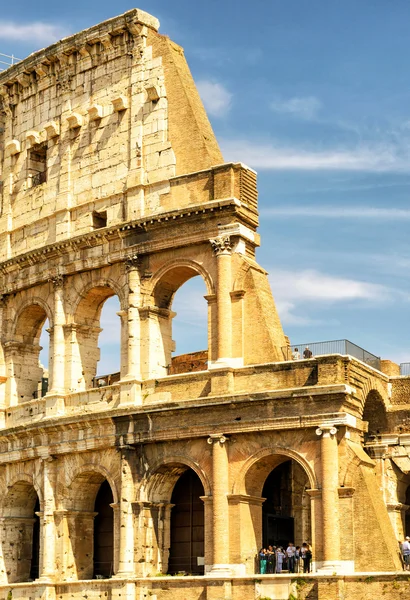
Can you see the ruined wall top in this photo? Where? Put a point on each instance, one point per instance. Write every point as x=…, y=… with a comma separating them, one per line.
x=102, y=128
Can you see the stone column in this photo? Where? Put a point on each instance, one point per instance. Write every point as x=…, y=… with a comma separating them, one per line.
x=3, y=377
x=48, y=567
x=126, y=517
x=330, y=497
x=220, y=514
x=58, y=367
x=222, y=249
x=134, y=327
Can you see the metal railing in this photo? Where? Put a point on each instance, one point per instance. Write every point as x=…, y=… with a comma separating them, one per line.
x=300, y=351
x=405, y=369
x=8, y=61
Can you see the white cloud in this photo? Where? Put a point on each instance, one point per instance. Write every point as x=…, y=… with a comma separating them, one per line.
x=293, y=290
x=36, y=32
x=306, y=107
x=215, y=96
x=380, y=158
x=339, y=212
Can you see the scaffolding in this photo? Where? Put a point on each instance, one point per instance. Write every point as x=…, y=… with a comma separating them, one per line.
x=7, y=61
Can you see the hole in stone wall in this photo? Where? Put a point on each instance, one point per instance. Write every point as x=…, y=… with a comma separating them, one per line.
x=99, y=219
x=37, y=164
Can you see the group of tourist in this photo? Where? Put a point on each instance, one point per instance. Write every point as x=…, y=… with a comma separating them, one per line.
x=307, y=353
x=276, y=559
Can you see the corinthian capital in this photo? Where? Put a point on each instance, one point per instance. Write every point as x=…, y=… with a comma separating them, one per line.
x=221, y=245
x=132, y=262
x=57, y=281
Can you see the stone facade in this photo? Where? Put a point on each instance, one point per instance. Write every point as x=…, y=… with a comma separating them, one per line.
x=113, y=184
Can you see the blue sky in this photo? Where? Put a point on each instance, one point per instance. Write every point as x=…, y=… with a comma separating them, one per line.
x=315, y=96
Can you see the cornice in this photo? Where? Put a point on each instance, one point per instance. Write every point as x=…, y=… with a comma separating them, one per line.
x=131, y=21
x=101, y=236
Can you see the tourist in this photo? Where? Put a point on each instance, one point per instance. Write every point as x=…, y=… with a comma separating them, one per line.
x=296, y=354
x=263, y=561
x=306, y=555
x=271, y=560
x=280, y=555
x=405, y=550
x=290, y=553
x=297, y=559
x=307, y=353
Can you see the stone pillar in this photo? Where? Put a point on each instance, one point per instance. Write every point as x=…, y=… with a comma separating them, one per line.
x=126, y=517
x=330, y=498
x=58, y=367
x=222, y=249
x=134, y=327
x=48, y=566
x=3, y=377
x=220, y=514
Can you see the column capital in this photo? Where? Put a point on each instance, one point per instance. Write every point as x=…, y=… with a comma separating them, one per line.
x=217, y=437
x=326, y=430
x=132, y=262
x=221, y=245
x=57, y=281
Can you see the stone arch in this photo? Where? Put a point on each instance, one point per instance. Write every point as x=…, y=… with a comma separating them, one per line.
x=85, y=329
x=34, y=302
x=162, y=476
x=100, y=282
x=374, y=412
x=172, y=275
x=79, y=499
x=166, y=513
x=28, y=480
x=20, y=540
x=22, y=351
x=258, y=466
x=270, y=502
x=376, y=385
x=156, y=316
x=89, y=476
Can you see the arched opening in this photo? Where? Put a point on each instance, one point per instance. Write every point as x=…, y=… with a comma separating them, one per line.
x=375, y=414
x=20, y=538
x=190, y=328
x=279, y=507
x=109, y=342
x=187, y=526
x=94, y=327
x=90, y=524
x=28, y=356
x=181, y=346
x=104, y=532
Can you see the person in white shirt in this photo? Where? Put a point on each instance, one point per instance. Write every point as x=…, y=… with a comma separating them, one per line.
x=296, y=354
x=405, y=550
x=290, y=553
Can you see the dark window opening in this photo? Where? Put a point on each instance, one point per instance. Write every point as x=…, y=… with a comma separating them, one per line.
x=187, y=526
x=104, y=533
x=35, y=544
x=277, y=510
x=99, y=219
x=37, y=164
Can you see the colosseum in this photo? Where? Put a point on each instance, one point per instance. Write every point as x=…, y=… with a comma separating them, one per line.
x=113, y=184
